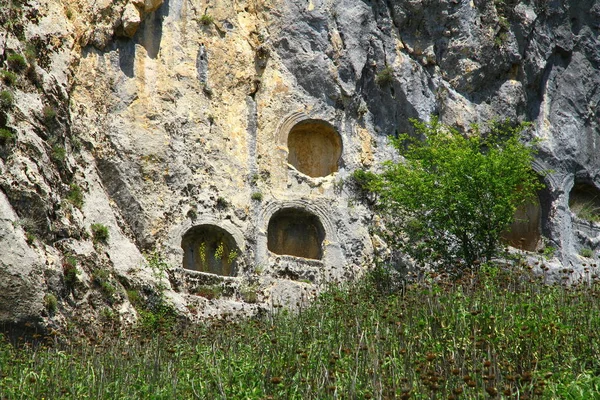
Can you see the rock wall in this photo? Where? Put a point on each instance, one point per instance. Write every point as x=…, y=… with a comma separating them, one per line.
x=155, y=118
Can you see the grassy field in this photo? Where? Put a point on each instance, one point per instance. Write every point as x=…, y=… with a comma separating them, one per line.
x=498, y=333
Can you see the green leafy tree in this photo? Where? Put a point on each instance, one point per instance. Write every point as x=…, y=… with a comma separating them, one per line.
x=452, y=196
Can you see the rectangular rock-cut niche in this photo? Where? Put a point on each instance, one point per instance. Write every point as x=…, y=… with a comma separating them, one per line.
x=210, y=248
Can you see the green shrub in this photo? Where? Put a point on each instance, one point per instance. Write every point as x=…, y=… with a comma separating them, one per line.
x=100, y=233
x=385, y=76
x=70, y=272
x=257, y=196
x=449, y=202
x=50, y=302
x=75, y=195
x=209, y=291
x=206, y=19
x=6, y=136
x=49, y=114
x=58, y=154
x=587, y=253
x=6, y=99
x=8, y=77
x=16, y=62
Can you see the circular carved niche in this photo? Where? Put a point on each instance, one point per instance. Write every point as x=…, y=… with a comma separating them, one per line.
x=584, y=201
x=210, y=248
x=315, y=148
x=296, y=233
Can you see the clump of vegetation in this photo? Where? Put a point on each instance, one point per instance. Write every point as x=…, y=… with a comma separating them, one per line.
x=6, y=136
x=257, y=196
x=209, y=291
x=497, y=333
x=50, y=303
x=8, y=77
x=70, y=272
x=587, y=253
x=449, y=201
x=75, y=195
x=49, y=114
x=16, y=62
x=206, y=19
x=100, y=233
x=58, y=154
x=6, y=99
x=586, y=209
x=385, y=76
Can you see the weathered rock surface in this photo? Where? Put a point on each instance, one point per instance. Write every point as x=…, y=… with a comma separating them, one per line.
x=173, y=115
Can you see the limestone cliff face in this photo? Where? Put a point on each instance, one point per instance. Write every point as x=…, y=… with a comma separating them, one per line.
x=220, y=134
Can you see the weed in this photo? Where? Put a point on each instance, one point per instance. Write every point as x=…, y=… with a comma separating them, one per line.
x=257, y=196
x=8, y=77
x=206, y=19
x=209, y=291
x=587, y=253
x=549, y=252
x=51, y=303
x=58, y=154
x=222, y=203
x=6, y=99
x=16, y=62
x=75, y=195
x=587, y=209
x=49, y=114
x=249, y=293
x=385, y=76
x=70, y=271
x=6, y=136
x=100, y=233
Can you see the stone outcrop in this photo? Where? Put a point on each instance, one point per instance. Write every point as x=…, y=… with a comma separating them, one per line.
x=160, y=119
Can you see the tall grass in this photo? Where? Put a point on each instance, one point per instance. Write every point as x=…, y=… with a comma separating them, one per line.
x=497, y=333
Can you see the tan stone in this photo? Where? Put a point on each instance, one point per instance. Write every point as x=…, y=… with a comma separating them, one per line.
x=131, y=19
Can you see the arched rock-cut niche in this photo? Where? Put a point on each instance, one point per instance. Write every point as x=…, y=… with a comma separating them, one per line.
x=296, y=232
x=210, y=248
x=315, y=148
x=584, y=201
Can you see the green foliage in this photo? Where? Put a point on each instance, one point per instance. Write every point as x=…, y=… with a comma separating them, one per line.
x=58, y=154
x=257, y=196
x=588, y=209
x=6, y=136
x=49, y=114
x=501, y=330
x=549, y=251
x=16, y=62
x=454, y=195
x=6, y=99
x=8, y=77
x=159, y=267
x=209, y=291
x=206, y=19
x=70, y=271
x=385, y=76
x=587, y=253
x=75, y=195
x=51, y=303
x=100, y=233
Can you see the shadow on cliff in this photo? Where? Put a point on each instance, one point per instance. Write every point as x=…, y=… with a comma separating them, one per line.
x=149, y=36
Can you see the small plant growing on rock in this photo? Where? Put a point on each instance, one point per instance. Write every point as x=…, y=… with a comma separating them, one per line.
x=206, y=19
x=6, y=99
x=6, y=136
x=385, y=76
x=257, y=196
x=209, y=291
x=49, y=114
x=8, y=77
x=16, y=62
x=58, y=153
x=587, y=253
x=75, y=195
x=100, y=233
x=70, y=271
x=51, y=303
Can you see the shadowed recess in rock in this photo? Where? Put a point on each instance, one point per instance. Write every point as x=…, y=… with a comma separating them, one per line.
x=210, y=248
x=584, y=201
x=314, y=148
x=297, y=233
